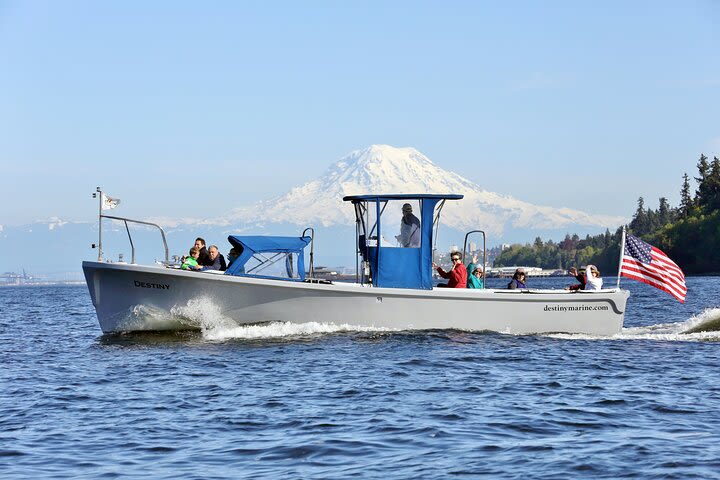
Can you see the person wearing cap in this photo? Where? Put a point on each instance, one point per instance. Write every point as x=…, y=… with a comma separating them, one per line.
x=409, y=228
x=475, y=274
x=518, y=280
x=457, y=276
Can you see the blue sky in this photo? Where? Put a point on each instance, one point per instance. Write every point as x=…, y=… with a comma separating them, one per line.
x=194, y=108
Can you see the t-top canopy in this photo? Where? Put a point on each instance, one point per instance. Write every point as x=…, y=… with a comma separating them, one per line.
x=409, y=266
x=249, y=246
x=403, y=196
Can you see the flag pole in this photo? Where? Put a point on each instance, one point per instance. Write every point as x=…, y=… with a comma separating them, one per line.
x=100, y=202
x=622, y=252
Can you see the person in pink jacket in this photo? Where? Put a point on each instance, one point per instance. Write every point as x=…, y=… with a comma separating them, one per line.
x=457, y=276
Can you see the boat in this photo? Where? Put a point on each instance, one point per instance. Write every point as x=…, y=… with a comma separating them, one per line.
x=393, y=288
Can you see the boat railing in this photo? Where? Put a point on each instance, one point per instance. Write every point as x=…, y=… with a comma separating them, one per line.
x=132, y=245
x=484, y=265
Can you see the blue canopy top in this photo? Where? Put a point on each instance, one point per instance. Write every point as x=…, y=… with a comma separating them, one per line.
x=403, y=196
x=248, y=246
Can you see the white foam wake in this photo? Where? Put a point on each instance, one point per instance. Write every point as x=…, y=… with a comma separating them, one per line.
x=204, y=314
x=701, y=327
x=282, y=329
x=147, y=317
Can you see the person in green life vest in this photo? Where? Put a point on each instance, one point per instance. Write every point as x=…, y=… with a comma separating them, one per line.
x=191, y=263
x=475, y=274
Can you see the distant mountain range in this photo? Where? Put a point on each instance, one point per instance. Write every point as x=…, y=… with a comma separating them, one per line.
x=318, y=203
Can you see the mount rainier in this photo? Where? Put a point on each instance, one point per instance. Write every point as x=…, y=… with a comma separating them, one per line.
x=386, y=169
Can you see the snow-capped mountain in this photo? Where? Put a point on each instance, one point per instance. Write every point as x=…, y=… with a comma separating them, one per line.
x=386, y=169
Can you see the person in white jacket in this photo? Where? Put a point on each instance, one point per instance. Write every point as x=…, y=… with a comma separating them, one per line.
x=592, y=278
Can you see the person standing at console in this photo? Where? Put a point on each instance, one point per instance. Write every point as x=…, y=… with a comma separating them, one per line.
x=409, y=228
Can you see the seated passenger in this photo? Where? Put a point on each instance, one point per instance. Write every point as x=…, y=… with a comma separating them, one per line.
x=215, y=260
x=232, y=256
x=204, y=258
x=518, y=280
x=457, y=276
x=580, y=277
x=409, y=228
x=592, y=278
x=475, y=276
x=190, y=262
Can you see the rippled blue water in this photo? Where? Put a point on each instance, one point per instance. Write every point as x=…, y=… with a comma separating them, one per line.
x=300, y=402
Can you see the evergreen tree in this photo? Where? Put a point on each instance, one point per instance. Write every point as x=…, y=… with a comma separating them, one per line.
x=664, y=215
x=607, y=240
x=713, y=188
x=639, y=223
x=701, y=194
x=652, y=222
x=686, y=200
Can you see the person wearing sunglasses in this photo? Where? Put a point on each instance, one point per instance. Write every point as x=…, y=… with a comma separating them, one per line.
x=475, y=274
x=457, y=276
x=592, y=278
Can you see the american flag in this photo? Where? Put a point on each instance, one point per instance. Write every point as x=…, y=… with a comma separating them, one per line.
x=641, y=261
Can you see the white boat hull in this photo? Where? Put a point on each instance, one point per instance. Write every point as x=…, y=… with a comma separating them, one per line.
x=154, y=298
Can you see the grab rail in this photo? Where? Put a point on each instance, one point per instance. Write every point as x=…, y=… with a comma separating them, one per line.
x=311, y=270
x=132, y=245
x=484, y=251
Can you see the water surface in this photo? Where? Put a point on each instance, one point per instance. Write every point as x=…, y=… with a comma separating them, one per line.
x=330, y=401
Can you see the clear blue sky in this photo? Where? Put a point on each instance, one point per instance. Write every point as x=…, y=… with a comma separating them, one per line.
x=194, y=108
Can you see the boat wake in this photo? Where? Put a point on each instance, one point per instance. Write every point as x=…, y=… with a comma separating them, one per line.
x=707, y=321
x=149, y=318
x=282, y=330
x=702, y=327
x=202, y=314
x=205, y=315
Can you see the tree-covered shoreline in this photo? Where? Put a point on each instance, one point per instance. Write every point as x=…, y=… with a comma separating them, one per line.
x=689, y=233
